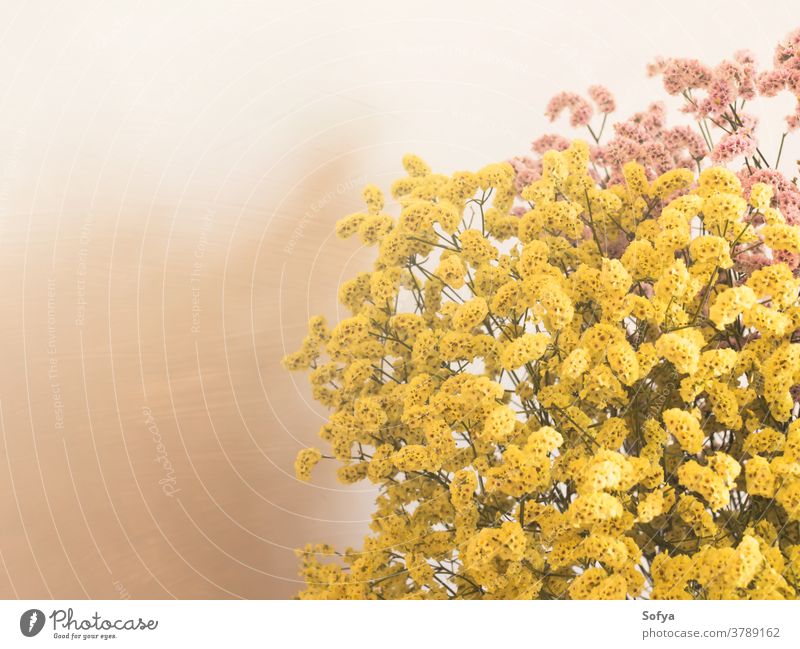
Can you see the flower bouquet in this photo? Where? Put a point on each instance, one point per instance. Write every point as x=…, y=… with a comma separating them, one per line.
x=575, y=374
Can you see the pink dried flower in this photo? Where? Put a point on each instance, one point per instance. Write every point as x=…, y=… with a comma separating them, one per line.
x=732, y=146
x=685, y=74
x=720, y=95
x=747, y=124
x=580, y=109
x=786, y=194
x=744, y=57
x=527, y=171
x=791, y=259
x=550, y=142
x=767, y=176
x=558, y=104
x=787, y=50
x=789, y=205
x=793, y=81
x=598, y=156
x=620, y=150
x=716, y=92
x=656, y=67
x=657, y=156
x=747, y=73
x=750, y=262
x=771, y=82
x=793, y=120
x=684, y=137
x=630, y=130
x=654, y=118
x=603, y=99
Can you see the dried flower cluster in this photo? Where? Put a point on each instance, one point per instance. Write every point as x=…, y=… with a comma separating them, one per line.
x=575, y=376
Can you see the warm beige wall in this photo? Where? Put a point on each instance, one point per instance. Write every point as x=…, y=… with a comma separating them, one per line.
x=149, y=151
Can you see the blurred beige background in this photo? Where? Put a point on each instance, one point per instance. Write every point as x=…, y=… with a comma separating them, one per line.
x=170, y=174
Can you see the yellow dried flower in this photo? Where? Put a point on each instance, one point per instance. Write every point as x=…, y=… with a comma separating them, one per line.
x=503, y=380
x=306, y=460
